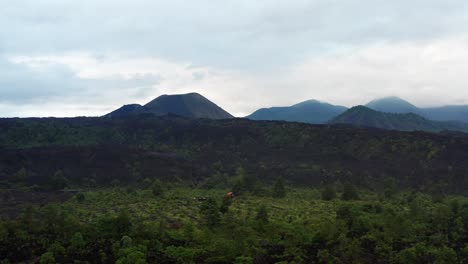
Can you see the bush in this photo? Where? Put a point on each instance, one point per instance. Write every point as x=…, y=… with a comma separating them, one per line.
x=47, y=258
x=350, y=193
x=157, y=188
x=328, y=193
x=262, y=215
x=80, y=197
x=279, y=191
x=225, y=204
x=59, y=181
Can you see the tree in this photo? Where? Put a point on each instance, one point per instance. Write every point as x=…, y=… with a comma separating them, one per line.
x=59, y=181
x=349, y=192
x=328, y=193
x=115, y=183
x=57, y=250
x=21, y=176
x=132, y=255
x=189, y=232
x=77, y=244
x=126, y=242
x=240, y=181
x=209, y=209
x=390, y=188
x=47, y=258
x=225, y=204
x=80, y=197
x=123, y=223
x=279, y=191
x=157, y=188
x=262, y=215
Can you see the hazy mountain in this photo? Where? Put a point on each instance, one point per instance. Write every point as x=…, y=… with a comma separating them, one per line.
x=192, y=105
x=366, y=117
x=444, y=113
x=312, y=111
x=397, y=105
x=393, y=105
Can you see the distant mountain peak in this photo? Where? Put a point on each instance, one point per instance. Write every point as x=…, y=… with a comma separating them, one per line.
x=191, y=105
x=310, y=111
x=390, y=99
x=308, y=102
x=392, y=104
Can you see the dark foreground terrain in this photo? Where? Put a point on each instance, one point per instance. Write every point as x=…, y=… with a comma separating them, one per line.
x=98, y=151
x=151, y=189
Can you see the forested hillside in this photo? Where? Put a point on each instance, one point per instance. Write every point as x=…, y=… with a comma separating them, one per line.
x=127, y=149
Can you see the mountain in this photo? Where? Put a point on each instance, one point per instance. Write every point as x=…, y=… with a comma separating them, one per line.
x=365, y=117
x=444, y=113
x=124, y=110
x=312, y=111
x=192, y=105
x=393, y=105
x=399, y=106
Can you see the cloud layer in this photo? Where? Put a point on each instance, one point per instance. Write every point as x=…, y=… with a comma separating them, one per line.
x=87, y=57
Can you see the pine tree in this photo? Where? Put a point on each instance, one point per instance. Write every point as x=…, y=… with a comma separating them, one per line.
x=279, y=191
x=210, y=210
x=227, y=201
x=157, y=188
x=262, y=215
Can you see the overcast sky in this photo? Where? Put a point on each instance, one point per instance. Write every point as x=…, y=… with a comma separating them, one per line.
x=87, y=57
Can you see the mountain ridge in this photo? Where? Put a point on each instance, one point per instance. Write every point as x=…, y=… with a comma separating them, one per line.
x=310, y=111
x=363, y=116
x=393, y=104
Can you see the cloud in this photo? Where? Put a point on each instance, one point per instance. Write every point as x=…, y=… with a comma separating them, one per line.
x=228, y=34
x=88, y=57
x=427, y=73
x=81, y=81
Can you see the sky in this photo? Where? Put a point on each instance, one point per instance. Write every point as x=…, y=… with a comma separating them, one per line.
x=88, y=57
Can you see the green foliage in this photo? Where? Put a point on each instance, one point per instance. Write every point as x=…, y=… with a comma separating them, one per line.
x=77, y=241
x=132, y=255
x=47, y=258
x=182, y=254
x=279, y=190
x=80, y=197
x=117, y=227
